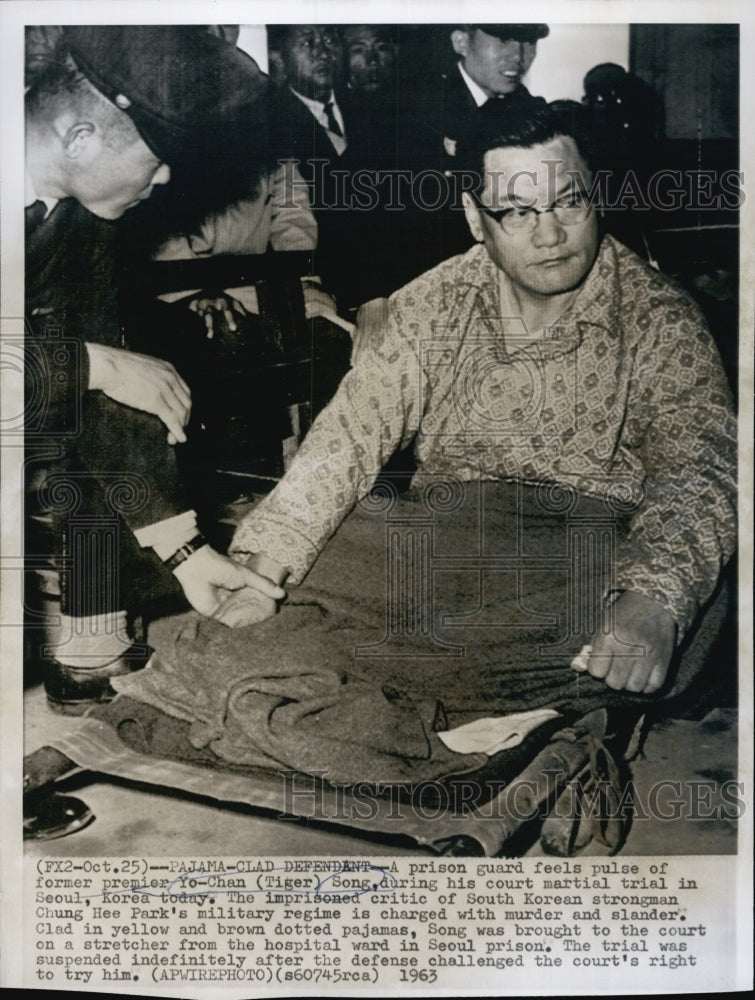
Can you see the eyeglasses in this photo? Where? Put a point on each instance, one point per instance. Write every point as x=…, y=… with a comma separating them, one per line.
x=570, y=209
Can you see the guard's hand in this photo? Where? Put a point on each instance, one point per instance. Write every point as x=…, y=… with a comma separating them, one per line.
x=144, y=383
x=370, y=318
x=207, y=577
x=637, y=655
x=222, y=305
x=246, y=607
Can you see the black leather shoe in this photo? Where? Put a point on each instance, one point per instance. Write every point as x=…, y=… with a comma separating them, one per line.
x=50, y=816
x=72, y=690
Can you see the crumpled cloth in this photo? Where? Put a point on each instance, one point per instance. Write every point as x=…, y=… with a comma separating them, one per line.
x=416, y=618
x=269, y=710
x=490, y=736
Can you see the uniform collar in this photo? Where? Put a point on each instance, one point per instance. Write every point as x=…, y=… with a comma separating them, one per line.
x=479, y=95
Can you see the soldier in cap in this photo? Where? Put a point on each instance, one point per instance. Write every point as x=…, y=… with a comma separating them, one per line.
x=493, y=58
x=485, y=81
x=103, y=125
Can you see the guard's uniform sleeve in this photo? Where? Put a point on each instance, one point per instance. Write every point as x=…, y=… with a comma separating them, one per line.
x=376, y=409
x=684, y=531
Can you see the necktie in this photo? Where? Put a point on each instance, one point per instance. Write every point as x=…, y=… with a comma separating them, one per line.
x=333, y=125
x=34, y=215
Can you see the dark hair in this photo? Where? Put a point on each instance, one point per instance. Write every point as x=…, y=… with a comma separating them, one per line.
x=386, y=32
x=278, y=35
x=524, y=125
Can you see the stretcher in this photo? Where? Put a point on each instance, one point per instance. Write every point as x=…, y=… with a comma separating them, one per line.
x=267, y=720
x=570, y=792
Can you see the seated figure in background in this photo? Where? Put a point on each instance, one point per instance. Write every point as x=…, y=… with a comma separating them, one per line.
x=277, y=217
x=253, y=415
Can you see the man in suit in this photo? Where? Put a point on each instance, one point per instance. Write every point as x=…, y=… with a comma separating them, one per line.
x=308, y=126
x=306, y=119
x=102, y=124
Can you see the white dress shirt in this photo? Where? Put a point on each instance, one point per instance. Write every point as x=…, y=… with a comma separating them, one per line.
x=317, y=108
x=479, y=95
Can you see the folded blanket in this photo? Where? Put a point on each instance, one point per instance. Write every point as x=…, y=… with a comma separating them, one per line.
x=270, y=695
x=417, y=617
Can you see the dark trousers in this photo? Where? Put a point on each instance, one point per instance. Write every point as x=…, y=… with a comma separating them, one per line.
x=118, y=475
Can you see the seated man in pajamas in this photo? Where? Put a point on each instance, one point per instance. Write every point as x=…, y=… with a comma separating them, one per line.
x=648, y=404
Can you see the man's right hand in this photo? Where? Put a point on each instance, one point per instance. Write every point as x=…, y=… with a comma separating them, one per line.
x=143, y=383
x=253, y=604
x=210, y=581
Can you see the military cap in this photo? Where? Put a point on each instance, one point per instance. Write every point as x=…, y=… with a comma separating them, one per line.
x=170, y=79
x=516, y=32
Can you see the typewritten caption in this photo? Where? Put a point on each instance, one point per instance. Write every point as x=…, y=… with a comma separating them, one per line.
x=139, y=923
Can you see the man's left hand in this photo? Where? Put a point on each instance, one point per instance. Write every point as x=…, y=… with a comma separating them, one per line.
x=636, y=655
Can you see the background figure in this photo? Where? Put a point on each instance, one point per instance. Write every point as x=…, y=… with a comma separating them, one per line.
x=493, y=58
x=485, y=76
x=367, y=251
x=621, y=120
x=306, y=67
x=307, y=120
x=42, y=47
x=370, y=55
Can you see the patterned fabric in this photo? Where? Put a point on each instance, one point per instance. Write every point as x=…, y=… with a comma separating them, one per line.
x=625, y=398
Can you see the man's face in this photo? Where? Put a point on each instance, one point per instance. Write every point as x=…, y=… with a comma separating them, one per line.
x=369, y=58
x=552, y=258
x=311, y=57
x=111, y=178
x=496, y=66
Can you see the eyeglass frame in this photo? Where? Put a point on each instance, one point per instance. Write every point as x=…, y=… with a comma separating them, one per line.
x=499, y=214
